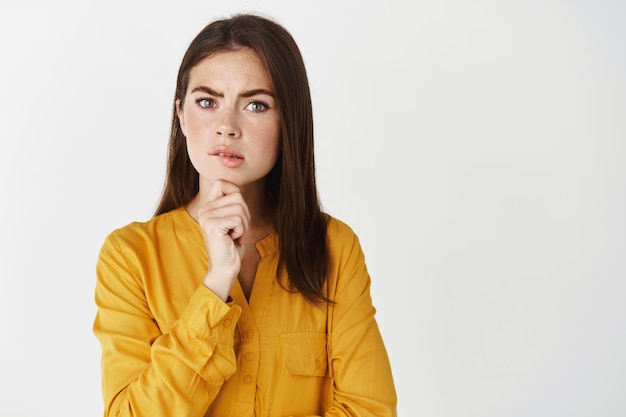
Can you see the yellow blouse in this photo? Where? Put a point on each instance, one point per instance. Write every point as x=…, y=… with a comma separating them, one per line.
x=170, y=347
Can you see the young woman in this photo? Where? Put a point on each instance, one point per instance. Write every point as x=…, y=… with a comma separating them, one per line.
x=240, y=297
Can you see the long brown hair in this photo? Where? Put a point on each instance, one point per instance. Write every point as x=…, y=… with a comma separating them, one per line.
x=291, y=191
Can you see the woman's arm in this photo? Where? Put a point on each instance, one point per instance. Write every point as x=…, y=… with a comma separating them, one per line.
x=145, y=372
x=360, y=368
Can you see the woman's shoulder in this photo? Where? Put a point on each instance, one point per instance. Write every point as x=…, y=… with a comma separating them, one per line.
x=338, y=227
x=150, y=229
x=340, y=233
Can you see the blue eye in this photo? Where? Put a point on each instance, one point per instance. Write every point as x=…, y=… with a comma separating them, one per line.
x=206, y=103
x=257, y=106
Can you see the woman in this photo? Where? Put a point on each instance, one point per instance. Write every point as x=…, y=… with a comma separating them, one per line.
x=240, y=297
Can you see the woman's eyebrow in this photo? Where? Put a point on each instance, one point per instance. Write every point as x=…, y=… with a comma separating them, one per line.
x=248, y=93
x=207, y=90
x=257, y=91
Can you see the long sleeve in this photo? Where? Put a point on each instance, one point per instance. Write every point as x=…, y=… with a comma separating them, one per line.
x=147, y=372
x=362, y=379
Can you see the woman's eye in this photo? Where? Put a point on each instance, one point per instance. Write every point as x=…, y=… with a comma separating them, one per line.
x=206, y=103
x=257, y=106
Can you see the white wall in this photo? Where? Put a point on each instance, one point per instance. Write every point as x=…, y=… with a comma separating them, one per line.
x=477, y=148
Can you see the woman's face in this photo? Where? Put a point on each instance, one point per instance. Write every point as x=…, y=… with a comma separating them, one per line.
x=231, y=120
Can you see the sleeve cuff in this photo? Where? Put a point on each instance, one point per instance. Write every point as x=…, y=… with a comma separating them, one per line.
x=206, y=314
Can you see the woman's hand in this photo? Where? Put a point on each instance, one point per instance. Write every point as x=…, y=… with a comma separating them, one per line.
x=224, y=220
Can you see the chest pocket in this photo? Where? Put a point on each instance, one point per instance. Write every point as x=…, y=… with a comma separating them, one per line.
x=304, y=353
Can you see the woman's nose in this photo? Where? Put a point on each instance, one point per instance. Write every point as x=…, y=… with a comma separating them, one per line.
x=228, y=124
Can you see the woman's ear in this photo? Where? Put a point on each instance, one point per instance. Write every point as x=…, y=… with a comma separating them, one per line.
x=181, y=115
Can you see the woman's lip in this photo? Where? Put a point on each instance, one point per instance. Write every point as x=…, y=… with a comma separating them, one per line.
x=227, y=152
x=229, y=161
x=229, y=157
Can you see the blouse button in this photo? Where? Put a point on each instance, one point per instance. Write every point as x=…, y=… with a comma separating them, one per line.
x=318, y=364
x=249, y=334
x=247, y=379
x=249, y=356
x=227, y=322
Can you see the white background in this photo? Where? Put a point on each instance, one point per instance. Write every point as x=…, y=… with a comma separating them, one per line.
x=477, y=148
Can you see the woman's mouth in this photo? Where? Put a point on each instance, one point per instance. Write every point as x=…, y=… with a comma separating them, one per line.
x=229, y=157
x=226, y=152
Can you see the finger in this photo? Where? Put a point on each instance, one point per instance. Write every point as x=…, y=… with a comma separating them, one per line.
x=225, y=205
x=221, y=188
x=236, y=229
x=228, y=224
x=231, y=220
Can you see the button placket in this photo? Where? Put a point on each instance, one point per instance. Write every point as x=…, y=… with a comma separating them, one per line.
x=249, y=365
